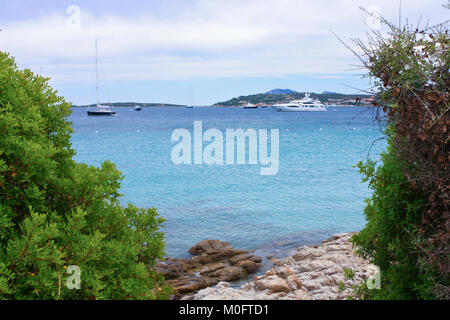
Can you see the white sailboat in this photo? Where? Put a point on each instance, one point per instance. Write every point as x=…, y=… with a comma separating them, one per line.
x=101, y=110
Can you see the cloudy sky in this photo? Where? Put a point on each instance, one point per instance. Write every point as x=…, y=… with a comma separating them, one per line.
x=155, y=51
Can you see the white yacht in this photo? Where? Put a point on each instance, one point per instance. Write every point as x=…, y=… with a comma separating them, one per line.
x=305, y=104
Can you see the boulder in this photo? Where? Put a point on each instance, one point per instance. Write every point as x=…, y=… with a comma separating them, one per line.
x=248, y=265
x=206, y=246
x=230, y=273
x=273, y=283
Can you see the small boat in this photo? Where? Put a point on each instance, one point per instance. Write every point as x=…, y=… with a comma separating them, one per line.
x=305, y=104
x=100, y=110
x=250, y=106
x=137, y=108
x=189, y=107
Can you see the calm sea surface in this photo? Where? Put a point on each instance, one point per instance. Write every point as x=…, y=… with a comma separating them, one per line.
x=317, y=192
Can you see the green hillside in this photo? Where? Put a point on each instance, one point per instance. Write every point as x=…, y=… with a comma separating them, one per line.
x=269, y=99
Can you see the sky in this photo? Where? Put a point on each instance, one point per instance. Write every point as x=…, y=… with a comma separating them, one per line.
x=199, y=51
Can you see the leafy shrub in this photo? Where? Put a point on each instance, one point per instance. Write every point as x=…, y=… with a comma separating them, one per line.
x=389, y=239
x=55, y=212
x=408, y=217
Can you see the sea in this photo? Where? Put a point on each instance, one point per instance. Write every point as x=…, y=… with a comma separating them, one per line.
x=317, y=191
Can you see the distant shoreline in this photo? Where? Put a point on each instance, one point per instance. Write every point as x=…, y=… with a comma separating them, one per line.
x=142, y=105
x=213, y=106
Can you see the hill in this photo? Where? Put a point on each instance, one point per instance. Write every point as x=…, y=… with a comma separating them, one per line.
x=330, y=92
x=326, y=98
x=281, y=91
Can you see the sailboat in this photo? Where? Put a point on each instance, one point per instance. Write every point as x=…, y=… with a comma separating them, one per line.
x=189, y=105
x=101, y=110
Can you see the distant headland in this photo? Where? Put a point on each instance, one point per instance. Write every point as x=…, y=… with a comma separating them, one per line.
x=131, y=105
x=264, y=99
x=285, y=95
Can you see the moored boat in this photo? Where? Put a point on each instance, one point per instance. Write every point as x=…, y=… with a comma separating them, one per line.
x=100, y=110
x=305, y=104
x=250, y=106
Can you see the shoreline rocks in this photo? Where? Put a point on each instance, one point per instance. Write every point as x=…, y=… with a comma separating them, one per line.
x=214, y=261
x=313, y=272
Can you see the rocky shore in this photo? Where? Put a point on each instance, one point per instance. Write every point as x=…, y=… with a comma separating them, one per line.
x=214, y=261
x=320, y=272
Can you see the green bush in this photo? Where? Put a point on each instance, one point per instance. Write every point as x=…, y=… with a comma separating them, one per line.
x=391, y=237
x=408, y=215
x=55, y=212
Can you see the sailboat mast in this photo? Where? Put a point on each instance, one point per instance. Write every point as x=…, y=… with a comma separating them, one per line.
x=96, y=72
x=190, y=95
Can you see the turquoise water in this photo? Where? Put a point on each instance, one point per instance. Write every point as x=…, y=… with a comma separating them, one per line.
x=317, y=192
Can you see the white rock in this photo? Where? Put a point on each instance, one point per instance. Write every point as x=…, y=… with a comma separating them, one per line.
x=273, y=283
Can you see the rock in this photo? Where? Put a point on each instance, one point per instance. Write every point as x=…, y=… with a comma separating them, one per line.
x=270, y=273
x=249, y=265
x=283, y=272
x=311, y=285
x=210, y=268
x=248, y=286
x=206, y=246
x=171, y=268
x=294, y=282
x=301, y=295
x=277, y=262
x=214, y=261
x=240, y=257
x=245, y=256
x=229, y=273
x=189, y=284
x=328, y=281
x=333, y=270
x=313, y=272
x=222, y=291
x=273, y=283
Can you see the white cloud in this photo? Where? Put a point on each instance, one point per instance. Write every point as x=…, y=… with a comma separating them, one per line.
x=205, y=39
